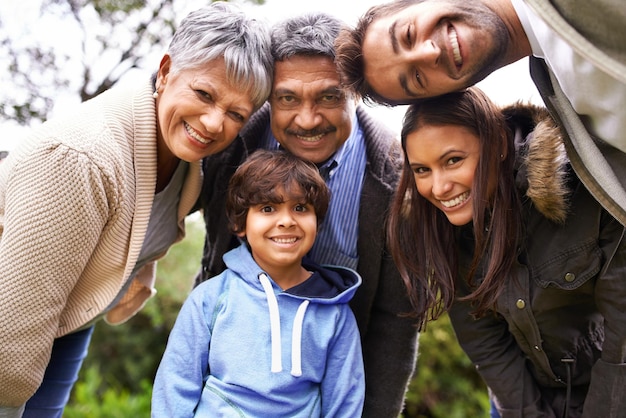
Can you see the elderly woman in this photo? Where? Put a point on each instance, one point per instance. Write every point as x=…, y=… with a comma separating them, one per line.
x=88, y=202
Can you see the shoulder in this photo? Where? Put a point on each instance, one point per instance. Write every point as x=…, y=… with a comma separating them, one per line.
x=382, y=148
x=376, y=132
x=543, y=171
x=104, y=128
x=213, y=292
x=577, y=23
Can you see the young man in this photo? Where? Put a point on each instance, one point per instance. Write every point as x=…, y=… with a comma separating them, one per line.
x=311, y=116
x=408, y=49
x=272, y=334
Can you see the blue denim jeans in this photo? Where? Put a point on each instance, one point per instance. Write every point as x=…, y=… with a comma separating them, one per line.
x=68, y=353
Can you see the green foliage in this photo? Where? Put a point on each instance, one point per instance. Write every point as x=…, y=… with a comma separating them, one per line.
x=90, y=401
x=446, y=383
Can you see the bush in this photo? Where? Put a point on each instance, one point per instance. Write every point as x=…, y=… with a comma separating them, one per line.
x=446, y=384
x=91, y=399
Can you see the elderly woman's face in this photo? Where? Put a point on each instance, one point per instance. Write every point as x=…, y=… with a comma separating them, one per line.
x=199, y=112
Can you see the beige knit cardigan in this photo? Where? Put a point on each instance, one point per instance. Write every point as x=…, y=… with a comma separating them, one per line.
x=75, y=201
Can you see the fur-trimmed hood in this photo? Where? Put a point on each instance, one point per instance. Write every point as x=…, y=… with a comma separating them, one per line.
x=541, y=161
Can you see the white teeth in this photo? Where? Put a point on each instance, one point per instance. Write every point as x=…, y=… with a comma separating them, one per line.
x=456, y=50
x=456, y=201
x=284, y=240
x=195, y=135
x=310, y=138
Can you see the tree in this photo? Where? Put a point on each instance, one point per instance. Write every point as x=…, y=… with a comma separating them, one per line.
x=83, y=47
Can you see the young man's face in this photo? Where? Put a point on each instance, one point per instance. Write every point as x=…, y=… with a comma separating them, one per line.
x=280, y=234
x=311, y=116
x=431, y=48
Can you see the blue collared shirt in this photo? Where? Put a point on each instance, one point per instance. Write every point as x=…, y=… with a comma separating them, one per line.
x=337, y=235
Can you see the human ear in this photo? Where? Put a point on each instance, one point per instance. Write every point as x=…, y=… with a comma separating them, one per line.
x=504, y=151
x=164, y=71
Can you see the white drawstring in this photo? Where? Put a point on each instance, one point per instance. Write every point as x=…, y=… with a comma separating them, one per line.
x=296, y=340
x=274, y=323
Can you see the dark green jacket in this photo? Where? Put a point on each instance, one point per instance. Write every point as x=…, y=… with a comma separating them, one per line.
x=561, y=317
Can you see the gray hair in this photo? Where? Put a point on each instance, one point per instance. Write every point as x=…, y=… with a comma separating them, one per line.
x=308, y=34
x=222, y=30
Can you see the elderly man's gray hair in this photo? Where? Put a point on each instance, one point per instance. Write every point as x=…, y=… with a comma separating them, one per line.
x=308, y=34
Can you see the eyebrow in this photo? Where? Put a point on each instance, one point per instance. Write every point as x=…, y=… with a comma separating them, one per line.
x=282, y=91
x=405, y=85
x=395, y=45
x=392, y=35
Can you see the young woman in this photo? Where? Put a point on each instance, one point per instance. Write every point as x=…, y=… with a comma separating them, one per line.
x=89, y=201
x=491, y=224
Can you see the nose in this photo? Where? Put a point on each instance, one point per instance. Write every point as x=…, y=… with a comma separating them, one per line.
x=213, y=121
x=286, y=219
x=426, y=53
x=308, y=117
x=441, y=184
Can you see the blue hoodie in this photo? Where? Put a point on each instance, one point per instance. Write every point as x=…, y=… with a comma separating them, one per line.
x=243, y=347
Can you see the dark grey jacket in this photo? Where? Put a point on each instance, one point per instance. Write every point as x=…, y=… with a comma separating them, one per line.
x=561, y=318
x=389, y=340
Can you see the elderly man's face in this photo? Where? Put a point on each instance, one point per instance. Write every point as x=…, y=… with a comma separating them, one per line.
x=311, y=115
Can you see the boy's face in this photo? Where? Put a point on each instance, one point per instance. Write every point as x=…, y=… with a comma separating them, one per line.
x=280, y=234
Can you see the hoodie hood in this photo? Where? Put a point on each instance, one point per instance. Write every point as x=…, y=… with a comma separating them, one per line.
x=542, y=165
x=327, y=284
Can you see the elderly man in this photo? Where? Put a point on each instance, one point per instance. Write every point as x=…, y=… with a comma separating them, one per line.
x=312, y=116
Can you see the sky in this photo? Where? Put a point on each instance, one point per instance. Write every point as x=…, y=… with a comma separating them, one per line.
x=507, y=85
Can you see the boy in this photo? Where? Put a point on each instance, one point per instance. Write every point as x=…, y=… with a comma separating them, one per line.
x=273, y=334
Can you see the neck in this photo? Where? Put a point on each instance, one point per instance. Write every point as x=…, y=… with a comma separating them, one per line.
x=288, y=278
x=166, y=165
x=519, y=46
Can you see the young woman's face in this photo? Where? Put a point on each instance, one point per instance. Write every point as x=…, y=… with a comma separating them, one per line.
x=280, y=234
x=199, y=112
x=444, y=160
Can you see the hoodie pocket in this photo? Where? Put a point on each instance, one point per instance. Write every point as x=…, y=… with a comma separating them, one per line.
x=216, y=403
x=570, y=268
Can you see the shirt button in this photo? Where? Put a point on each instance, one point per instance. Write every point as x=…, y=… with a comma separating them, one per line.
x=520, y=304
x=569, y=277
x=537, y=348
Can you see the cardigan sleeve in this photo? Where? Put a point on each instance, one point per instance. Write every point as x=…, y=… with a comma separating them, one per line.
x=55, y=207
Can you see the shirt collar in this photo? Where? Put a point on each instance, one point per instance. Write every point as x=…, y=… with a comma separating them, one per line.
x=525, y=14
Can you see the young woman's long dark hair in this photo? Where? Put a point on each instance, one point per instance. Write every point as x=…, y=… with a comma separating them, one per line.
x=422, y=240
